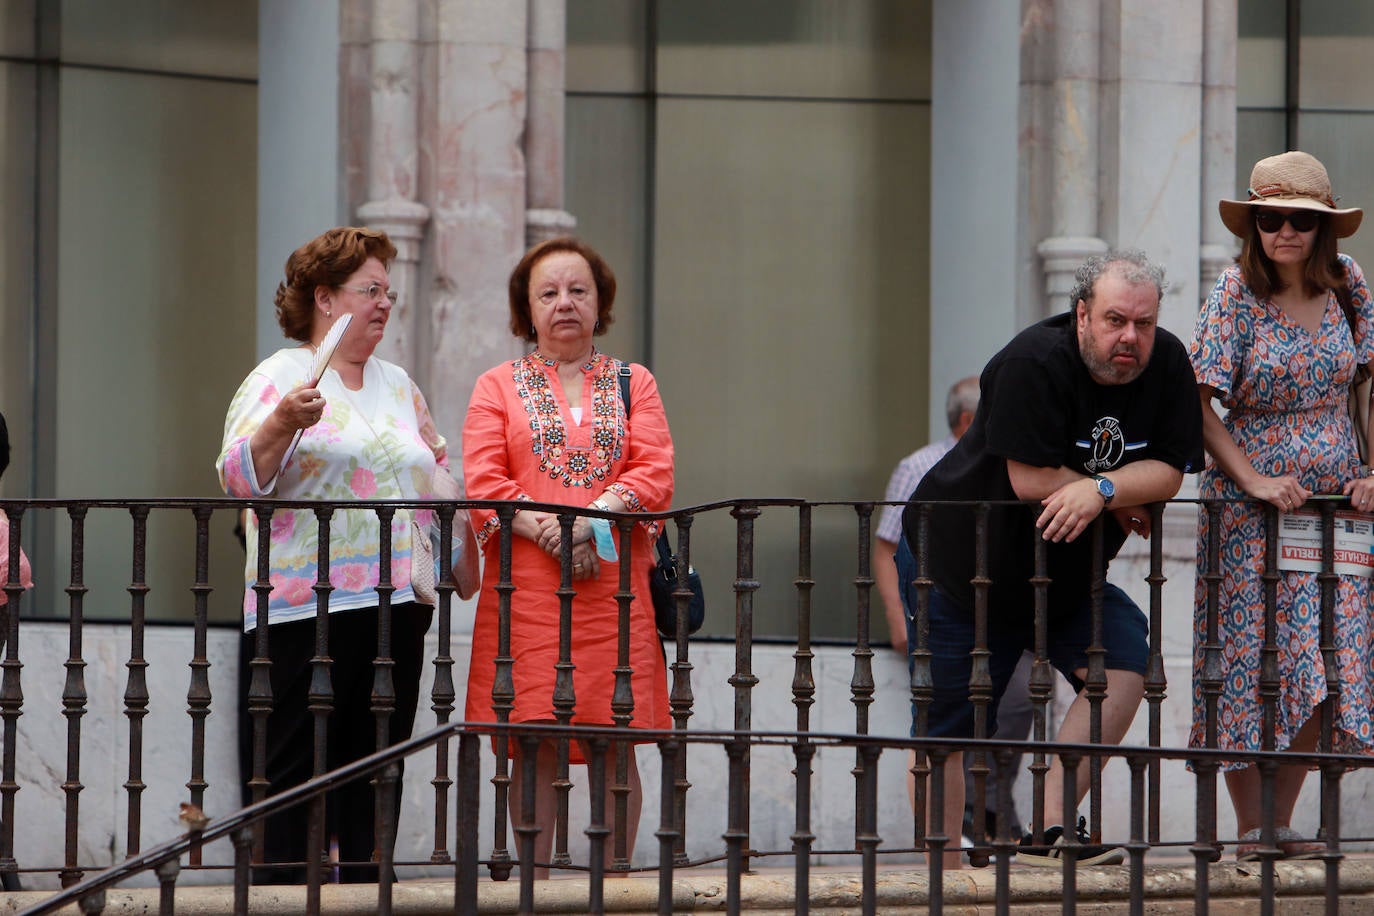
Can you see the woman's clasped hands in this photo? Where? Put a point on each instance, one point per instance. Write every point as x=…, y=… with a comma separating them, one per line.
x=548, y=534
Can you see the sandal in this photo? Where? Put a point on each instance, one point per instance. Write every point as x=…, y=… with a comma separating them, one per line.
x=1290, y=843
x=1294, y=845
x=1249, y=846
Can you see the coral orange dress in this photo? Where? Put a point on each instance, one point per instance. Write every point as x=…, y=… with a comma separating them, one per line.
x=520, y=443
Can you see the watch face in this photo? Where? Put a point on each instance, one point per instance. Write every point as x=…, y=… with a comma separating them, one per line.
x=1106, y=488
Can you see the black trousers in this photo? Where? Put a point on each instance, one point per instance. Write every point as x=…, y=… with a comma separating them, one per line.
x=351, y=732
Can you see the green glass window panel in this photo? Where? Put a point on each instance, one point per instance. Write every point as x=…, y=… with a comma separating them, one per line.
x=1336, y=47
x=606, y=162
x=17, y=230
x=155, y=279
x=18, y=28
x=1260, y=54
x=207, y=37
x=1258, y=134
x=1342, y=141
x=796, y=48
x=790, y=325
x=606, y=42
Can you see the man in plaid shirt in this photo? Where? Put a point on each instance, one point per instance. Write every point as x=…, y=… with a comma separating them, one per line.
x=1014, y=718
x=960, y=405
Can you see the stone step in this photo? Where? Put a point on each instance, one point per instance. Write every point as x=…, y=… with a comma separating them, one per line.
x=1233, y=888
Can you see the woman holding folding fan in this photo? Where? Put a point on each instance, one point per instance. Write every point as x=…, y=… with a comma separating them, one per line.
x=355, y=428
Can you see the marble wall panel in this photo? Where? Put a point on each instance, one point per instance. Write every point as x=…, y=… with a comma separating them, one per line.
x=1154, y=40
x=104, y=768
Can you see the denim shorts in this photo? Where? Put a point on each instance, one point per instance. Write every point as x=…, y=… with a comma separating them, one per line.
x=1125, y=636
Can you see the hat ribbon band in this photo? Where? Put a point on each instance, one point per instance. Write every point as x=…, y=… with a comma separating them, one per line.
x=1275, y=190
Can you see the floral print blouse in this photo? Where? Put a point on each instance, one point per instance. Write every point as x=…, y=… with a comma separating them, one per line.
x=375, y=443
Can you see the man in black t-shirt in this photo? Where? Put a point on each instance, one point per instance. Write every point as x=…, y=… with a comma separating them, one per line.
x=1092, y=409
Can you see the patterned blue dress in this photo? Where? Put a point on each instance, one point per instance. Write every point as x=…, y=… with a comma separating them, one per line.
x=1286, y=391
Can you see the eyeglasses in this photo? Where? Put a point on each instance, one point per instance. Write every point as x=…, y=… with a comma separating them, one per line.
x=1273, y=220
x=373, y=292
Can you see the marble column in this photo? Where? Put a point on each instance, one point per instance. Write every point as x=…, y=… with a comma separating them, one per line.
x=545, y=216
x=392, y=182
x=472, y=175
x=1074, y=147
x=1152, y=148
x=1219, y=31
x=973, y=190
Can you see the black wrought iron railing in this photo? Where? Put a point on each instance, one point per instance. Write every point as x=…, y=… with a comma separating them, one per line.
x=726, y=753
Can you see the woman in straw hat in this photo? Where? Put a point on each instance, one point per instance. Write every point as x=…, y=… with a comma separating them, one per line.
x=1278, y=343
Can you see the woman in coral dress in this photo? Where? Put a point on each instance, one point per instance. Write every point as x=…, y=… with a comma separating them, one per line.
x=1278, y=342
x=551, y=427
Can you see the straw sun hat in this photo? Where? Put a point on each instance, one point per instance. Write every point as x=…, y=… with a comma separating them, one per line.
x=1290, y=181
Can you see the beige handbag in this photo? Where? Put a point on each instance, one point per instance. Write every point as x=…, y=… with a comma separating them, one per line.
x=422, y=565
x=467, y=574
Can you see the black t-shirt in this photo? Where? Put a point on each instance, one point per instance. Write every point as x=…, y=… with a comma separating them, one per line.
x=1040, y=406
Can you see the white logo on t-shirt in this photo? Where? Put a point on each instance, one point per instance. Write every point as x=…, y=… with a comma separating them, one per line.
x=1108, y=445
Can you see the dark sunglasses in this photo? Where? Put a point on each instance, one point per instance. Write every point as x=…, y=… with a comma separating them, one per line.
x=1300, y=220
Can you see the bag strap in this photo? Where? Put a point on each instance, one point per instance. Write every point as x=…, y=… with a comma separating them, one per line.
x=666, y=560
x=1345, y=297
x=1346, y=300
x=623, y=371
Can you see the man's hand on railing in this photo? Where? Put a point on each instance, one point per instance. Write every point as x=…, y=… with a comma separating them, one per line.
x=1133, y=519
x=1069, y=510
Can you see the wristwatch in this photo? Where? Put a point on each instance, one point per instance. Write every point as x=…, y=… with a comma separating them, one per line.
x=1105, y=488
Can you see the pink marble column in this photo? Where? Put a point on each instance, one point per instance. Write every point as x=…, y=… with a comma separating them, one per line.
x=1075, y=233
x=1218, y=137
x=545, y=216
x=392, y=163
x=472, y=177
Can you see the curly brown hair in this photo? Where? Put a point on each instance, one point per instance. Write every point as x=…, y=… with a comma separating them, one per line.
x=326, y=260
x=1323, y=270
x=520, y=323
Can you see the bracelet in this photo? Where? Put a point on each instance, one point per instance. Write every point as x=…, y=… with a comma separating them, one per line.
x=602, y=506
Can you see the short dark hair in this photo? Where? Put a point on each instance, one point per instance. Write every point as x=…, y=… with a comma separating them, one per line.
x=1323, y=271
x=326, y=260
x=520, y=323
x=4, y=445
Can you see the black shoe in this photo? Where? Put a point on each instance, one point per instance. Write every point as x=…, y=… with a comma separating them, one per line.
x=1053, y=851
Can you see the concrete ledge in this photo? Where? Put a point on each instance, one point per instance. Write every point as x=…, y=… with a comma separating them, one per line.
x=1233, y=888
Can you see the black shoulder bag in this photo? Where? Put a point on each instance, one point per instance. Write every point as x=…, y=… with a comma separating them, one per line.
x=663, y=580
